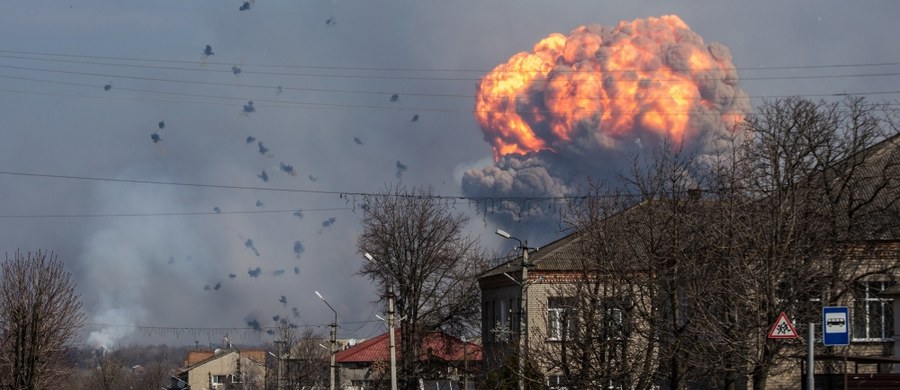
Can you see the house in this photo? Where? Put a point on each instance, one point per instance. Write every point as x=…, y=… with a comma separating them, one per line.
x=859, y=272
x=452, y=363
x=222, y=369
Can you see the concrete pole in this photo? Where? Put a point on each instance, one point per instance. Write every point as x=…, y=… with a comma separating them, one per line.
x=523, y=317
x=279, y=344
x=390, y=297
x=810, y=358
x=333, y=347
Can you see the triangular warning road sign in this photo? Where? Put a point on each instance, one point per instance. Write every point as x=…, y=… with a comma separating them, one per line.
x=783, y=328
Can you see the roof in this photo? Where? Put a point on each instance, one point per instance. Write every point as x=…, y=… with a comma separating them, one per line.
x=437, y=344
x=196, y=358
x=559, y=255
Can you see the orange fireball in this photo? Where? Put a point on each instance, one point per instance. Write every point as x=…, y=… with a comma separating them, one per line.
x=650, y=76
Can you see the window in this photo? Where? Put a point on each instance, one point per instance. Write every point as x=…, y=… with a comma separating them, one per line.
x=872, y=315
x=217, y=381
x=559, y=319
x=556, y=382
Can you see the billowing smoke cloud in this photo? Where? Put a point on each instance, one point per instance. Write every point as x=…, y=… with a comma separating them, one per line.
x=579, y=105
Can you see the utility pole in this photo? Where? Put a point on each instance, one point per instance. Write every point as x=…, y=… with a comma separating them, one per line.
x=333, y=336
x=810, y=358
x=390, y=298
x=279, y=346
x=523, y=307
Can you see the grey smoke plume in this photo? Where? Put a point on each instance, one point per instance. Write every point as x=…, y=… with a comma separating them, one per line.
x=584, y=116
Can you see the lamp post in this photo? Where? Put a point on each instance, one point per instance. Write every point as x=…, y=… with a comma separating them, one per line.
x=333, y=336
x=390, y=298
x=523, y=305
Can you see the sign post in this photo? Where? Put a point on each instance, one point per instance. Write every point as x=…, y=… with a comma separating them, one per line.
x=835, y=325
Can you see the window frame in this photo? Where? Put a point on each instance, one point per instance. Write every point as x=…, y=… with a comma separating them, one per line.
x=865, y=294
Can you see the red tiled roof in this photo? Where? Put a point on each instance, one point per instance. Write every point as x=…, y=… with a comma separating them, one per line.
x=440, y=344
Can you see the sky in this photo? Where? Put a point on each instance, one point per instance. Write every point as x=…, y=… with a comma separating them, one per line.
x=106, y=104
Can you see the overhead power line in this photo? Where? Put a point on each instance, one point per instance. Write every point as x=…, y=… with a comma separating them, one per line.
x=400, y=69
x=170, y=214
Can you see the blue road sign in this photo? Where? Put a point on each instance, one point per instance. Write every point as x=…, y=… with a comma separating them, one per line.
x=835, y=325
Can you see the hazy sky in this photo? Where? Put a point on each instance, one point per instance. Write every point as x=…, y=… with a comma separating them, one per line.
x=331, y=123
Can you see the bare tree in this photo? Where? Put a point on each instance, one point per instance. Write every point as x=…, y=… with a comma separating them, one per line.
x=40, y=315
x=420, y=249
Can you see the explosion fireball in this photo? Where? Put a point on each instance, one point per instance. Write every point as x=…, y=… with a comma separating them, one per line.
x=654, y=75
x=576, y=106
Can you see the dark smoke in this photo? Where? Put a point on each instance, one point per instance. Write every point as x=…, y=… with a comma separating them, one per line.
x=276, y=318
x=298, y=248
x=262, y=149
x=155, y=137
x=248, y=108
x=289, y=169
x=249, y=244
x=400, y=169
x=328, y=222
x=244, y=6
x=162, y=125
x=107, y=87
x=252, y=323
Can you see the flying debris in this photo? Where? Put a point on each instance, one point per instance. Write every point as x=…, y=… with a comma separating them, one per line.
x=270, y=332
x=279, y=91
x=298, y=214
x=296, y=312
x=394, y=98
x=217, y=286
x=400, y=169
x=289, y=169
x=259, y=203
x=328, y=222
x=162, y=125
x=235, y=70
x=107, y=87
x=262, y=149
x=276, y=318
x=248, y=108
x=298, y=249
x=155, y=137
x=232, y=276
x=244, y=6
x=278, y=272
x=249, y=244
x=254, y=272
x=253, y=323
x=313, y=178
x=208, y=51
x=283, y=300
x=415, y=118
x=357, y=140
x=250, y=139
x=207, y=288
x=296, y=270
x=217, y=210
x=331, y=21
x=264, y=176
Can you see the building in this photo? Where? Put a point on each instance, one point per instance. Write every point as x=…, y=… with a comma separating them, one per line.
x=222, y=369
x=452, y=363
x=860, y=271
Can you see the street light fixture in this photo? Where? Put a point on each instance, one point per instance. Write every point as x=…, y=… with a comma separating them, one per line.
x=523, y=304
x=333, y=336
x=390, y=321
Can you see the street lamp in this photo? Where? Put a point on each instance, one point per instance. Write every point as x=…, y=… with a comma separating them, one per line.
x=390, y=298
x=333, y=336
x=523, y=305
